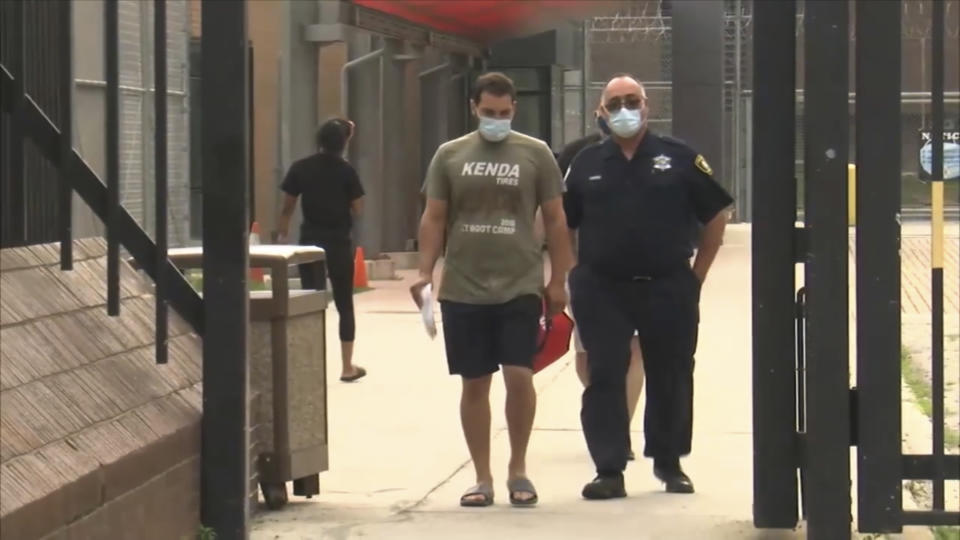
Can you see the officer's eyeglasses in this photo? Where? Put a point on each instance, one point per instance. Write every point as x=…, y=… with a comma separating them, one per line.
x=631, y=103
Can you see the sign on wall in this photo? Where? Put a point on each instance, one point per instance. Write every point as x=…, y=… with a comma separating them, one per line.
x=951, y=155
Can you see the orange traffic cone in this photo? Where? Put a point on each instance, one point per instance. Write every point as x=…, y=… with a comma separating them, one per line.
x=256, y=274
x=359, y=269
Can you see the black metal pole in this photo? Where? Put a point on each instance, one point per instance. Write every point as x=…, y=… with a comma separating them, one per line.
x=66, y=133
x=160, y=170
x=802, y=390
x=17, y=229
x=936, y=275
x=879, y=488
x=251, y=136
x=225, y=120
x=111, y=45
x=826, y=119
x=774, y=212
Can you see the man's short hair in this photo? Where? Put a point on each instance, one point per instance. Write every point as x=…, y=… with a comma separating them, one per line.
x=496, y=84
x=332, y=136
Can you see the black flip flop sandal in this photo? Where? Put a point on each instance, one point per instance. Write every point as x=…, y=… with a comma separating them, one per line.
x=519, y=485
x=359, y=374
x=483, y=490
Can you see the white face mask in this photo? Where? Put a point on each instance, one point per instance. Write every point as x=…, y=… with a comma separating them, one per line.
x=494, y=129
x=626, y=123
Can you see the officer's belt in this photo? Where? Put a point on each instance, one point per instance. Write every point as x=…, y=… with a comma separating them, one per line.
x=639, y=277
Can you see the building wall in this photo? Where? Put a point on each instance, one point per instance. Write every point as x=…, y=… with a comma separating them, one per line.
x=331, y=60
x=194, y=18
x=265, y=30
x=265, y=20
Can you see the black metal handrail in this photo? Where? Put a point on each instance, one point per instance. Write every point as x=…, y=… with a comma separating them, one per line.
x=160, y=168
x=48, y=139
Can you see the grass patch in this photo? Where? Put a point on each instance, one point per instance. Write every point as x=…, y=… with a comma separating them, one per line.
x=946, y=533
x=916, y=380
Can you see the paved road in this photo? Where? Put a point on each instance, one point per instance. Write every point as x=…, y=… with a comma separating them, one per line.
x=399, y=464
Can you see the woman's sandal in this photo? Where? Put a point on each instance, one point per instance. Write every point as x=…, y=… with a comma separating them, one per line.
x=522, y=485
x=358, y=374
x=484, y=490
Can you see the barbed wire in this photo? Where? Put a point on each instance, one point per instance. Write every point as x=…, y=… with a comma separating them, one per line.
x=921, y=27
x=648, y=21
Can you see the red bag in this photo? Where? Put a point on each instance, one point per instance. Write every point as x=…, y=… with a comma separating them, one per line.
x=553, y=340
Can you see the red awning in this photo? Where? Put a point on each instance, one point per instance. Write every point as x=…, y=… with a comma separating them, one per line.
x=488, y=20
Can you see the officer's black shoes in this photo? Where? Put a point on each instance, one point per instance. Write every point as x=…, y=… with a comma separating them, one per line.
x=670, y=473
x=605, y=487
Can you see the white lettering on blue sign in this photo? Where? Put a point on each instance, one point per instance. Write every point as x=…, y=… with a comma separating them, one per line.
x=951, y=160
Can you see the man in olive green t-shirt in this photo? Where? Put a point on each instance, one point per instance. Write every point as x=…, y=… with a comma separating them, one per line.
x=483, y=191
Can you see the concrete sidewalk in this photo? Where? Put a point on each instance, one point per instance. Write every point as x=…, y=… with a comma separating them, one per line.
x=399, y=463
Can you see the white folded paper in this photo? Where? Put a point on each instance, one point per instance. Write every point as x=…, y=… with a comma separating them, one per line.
x=426, y=310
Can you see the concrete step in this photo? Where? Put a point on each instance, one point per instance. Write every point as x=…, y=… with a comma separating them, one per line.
x=381, y=270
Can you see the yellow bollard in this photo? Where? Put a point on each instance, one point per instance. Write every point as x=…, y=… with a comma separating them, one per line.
x=851, y=194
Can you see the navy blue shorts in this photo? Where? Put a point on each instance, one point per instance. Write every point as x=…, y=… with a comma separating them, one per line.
x=481, y=338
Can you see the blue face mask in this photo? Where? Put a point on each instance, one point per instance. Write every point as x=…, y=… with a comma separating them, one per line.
x=494, y=129
x=626, y=123
x=602, y=124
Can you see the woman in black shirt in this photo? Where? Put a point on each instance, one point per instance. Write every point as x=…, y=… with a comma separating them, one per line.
x=331, y=197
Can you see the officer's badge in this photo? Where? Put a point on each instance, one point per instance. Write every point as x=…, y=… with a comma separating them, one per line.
x=703, y=165
x=661, y=162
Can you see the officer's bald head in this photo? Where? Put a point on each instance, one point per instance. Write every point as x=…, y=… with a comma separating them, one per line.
x=623, y=84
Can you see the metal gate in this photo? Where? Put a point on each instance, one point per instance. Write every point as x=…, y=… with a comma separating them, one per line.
x=807, y=413
x=37, y=104
x=32, y=208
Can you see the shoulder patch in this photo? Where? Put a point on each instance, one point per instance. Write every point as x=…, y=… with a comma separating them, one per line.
x=703, y=165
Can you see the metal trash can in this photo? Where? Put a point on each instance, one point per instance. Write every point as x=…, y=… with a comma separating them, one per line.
x=288, y=371
x=288, y=383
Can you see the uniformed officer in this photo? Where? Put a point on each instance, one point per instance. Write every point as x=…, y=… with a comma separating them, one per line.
x=635, y=371
x=634, y=199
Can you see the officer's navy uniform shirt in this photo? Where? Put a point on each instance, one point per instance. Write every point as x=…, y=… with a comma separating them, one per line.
x=635, y=217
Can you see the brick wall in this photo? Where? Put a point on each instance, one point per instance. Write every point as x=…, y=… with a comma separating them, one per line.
x=97, y=441
x=157, y=509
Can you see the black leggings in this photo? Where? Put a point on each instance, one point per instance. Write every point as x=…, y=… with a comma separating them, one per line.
x=339, y=264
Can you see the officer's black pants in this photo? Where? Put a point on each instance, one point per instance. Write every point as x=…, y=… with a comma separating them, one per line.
x=339, y=264
x=665, y=313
